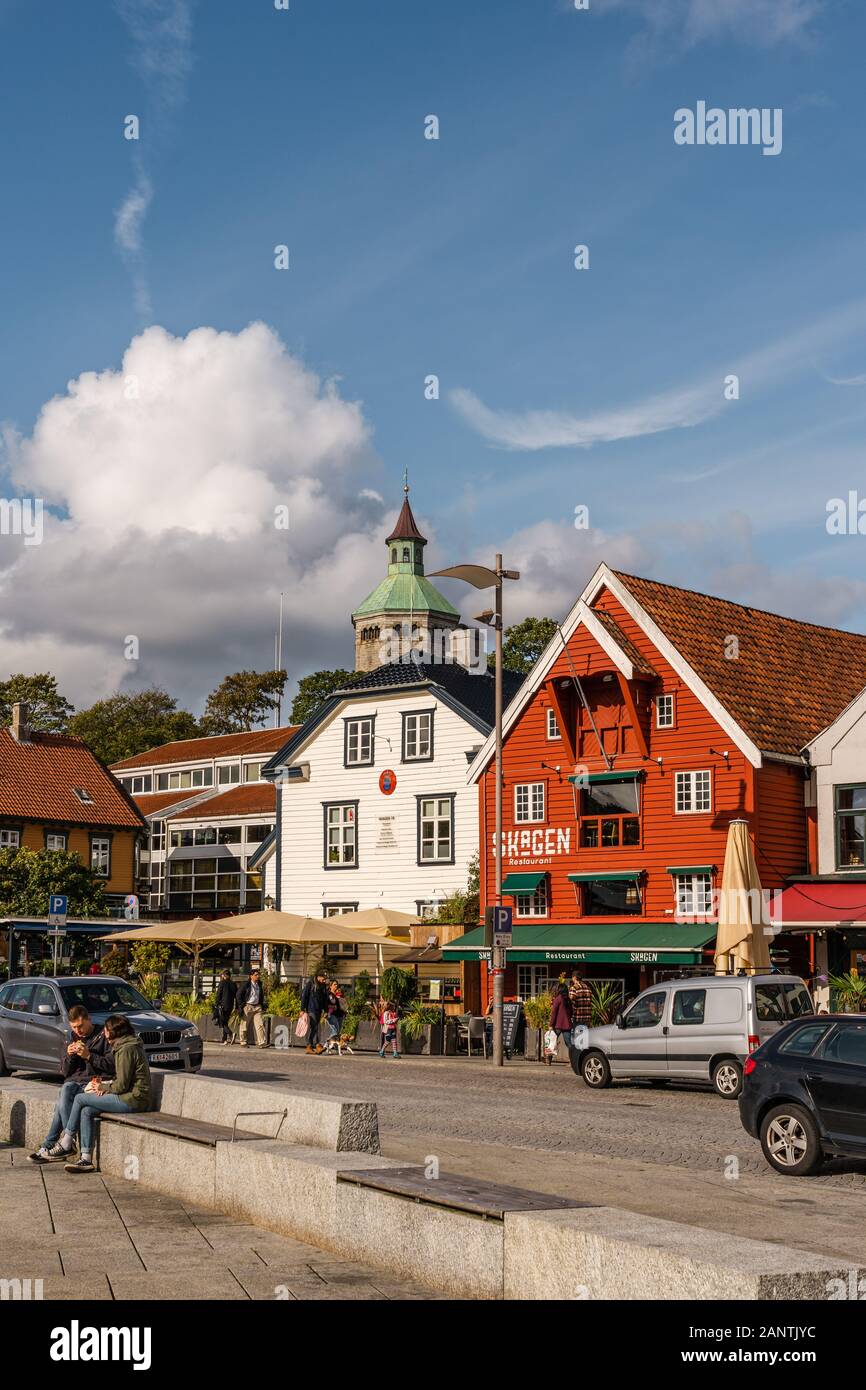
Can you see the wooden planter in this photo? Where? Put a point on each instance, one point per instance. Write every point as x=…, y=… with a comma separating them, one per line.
x=278, y=1021
x=533, y=1039
x=367, y=1036
x=428, y=1045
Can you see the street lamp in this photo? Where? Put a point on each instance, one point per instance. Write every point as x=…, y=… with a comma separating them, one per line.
x=483, y=578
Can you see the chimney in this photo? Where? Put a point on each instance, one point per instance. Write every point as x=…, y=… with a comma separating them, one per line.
x=19, y=728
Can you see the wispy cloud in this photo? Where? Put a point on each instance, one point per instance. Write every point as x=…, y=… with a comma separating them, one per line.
x=679, y=408
x=672, y=27
x=131, y=213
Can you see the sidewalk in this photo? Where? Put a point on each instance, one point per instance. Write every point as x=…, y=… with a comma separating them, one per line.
x=94, y=1237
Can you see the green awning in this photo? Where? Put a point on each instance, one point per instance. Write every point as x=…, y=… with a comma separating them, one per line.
x=522, y=883
x=692, y=869
x=592, y=778
x=616, y=943
x=618, y=876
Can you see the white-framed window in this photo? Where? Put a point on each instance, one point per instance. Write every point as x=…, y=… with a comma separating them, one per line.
x=230, y=774
x=334, y=909
x=532, y=904
x=57, y=843
x=664, y=711
x=693, y=793
x=341, y=841
x=359, y=743
x=157, y=835
x=529, y=802
x=100, y=856
x=553, y=730
x=418, y=736
x=532, y=980
x=183, y=778
x=436, y=830
x=10, y=839
x=253, y=772
x=427, y=908
x=694, y=895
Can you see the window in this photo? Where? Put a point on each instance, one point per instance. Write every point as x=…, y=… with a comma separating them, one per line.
x=56, y=842
x=850, y=827
x=769, y=1004
x=552, y=726
x=203, y=884
x=227, y=776
x=340, y=835
x=358, y=743
x=532, y=980
x=253, y=772
x=188, y=777
x=10, y=839
x=529, y=801
x=532, y=904
x=83, y=796
x=18, y=998
x=181, y=839
x=646, y=1012
x=334, y=909
x=229, y=835
x=393, y=554
x=100, y=856
x=405, y=554
x=798, y=1000
x=664, y=711
x=427, y=908
x=157, y=835
x=610, y=897
x=418, y=737
x=436, y=830
x=610, y=815
x=803, y=1041
x=848, y=1044
x=134, y=785
x=256, y=834
x=689, y=1006
x=694, y=895
x=692, y=792
x=205, y=835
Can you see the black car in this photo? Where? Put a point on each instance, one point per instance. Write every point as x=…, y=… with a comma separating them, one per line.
x=804, y=1092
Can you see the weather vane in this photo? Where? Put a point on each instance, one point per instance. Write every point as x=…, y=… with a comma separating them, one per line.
x=406, y=481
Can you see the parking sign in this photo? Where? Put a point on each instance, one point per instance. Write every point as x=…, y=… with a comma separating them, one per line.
x=57, y=905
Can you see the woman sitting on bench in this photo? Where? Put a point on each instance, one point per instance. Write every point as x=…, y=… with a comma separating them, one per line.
x=130, y=1090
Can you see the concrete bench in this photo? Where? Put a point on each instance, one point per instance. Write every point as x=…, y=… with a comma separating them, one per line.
x=488, y=1200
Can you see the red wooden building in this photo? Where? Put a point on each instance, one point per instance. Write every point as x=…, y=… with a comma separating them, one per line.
x=616, y=811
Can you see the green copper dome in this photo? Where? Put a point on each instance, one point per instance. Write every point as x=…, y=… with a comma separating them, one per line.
x=405, y=588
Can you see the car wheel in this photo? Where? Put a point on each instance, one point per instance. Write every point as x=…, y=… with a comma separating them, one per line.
x=790, y=1140
x=595, y=1070
x=4, y=1070
x=728, y=1078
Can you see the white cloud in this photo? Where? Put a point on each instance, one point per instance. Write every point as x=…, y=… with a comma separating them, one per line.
x=130, y=215
x=165, y=475
x=681, y=24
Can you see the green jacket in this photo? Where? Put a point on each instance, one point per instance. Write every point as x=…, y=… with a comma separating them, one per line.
x=132, y=1080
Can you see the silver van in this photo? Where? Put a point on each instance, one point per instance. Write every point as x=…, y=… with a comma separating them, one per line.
x=700, y=1028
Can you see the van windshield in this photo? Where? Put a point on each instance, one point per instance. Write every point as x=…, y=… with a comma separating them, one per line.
x=105, y=997
x=798, y=1000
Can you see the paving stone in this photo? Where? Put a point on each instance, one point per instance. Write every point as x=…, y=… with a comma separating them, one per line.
x=58, y=1289
x=26, y=1263
x=113, y=1260
x=196, y=1284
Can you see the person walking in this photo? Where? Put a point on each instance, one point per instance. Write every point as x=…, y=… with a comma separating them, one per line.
x=314, y=1001
x=250, y=1003
x=581, y=1003
x=129, y=1091
x=336, y=1013
x=224, y=1006
x=561, y=1019
x=86, y=1057
x=388, y=1024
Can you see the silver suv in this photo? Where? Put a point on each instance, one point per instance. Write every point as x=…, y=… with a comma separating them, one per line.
x=700, y=1028
x=34, y=1022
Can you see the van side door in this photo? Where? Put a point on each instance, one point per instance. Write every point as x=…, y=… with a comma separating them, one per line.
x=640, y=1047
x=689, y=1049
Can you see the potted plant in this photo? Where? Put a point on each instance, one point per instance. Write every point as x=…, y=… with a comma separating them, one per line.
x=849, y=992
x=606, y=1002
x=421, y=1029
x=536, y=1011
x=284, y=1006
x=361, y=1024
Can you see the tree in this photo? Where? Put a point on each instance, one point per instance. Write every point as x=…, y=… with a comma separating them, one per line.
x=124, y=725
x=313, y=690
x=47, y=709
x=243, y=701
x=524, y=643
x=28, y=877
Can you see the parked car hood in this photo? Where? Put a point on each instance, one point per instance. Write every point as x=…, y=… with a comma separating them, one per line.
x=144, y=1019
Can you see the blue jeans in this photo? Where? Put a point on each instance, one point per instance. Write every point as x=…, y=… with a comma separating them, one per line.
x=85, y=1108
x=60, y=1119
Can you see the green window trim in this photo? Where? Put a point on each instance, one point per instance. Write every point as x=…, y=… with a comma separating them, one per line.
x=693, y=869
x=621, y=875
x=522, y=883
x=590, y=779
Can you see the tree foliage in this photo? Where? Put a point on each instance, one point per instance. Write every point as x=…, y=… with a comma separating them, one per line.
x=28, y=877
x=48, y=711
x=524, y=642
x=314, y=689
x=123, y=725
x=243, y=701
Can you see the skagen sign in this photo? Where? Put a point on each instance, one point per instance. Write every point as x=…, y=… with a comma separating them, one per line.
x=537, y=846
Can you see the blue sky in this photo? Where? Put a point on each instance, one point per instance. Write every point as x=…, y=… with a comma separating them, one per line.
x=412, y=256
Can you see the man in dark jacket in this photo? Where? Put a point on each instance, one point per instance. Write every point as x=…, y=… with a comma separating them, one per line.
x=314, y=1000
x=251, y=1004
x=224, y=1006
x=86, y=1057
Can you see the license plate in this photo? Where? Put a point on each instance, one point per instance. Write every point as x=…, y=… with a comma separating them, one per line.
x=163, y=1056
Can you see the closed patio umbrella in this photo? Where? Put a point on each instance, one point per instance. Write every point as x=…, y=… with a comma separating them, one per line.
x=742, y=942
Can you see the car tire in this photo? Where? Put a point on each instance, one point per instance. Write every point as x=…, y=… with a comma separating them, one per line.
x=4, y=1070
x=595, y=1070
x=728, y=1078
x=658, y=1081
x=790, y=1140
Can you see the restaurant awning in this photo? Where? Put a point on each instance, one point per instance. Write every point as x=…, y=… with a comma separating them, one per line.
x=815, y=905
x=647, y=943
x=522, y=883
x=592, y=779
x=615, y=876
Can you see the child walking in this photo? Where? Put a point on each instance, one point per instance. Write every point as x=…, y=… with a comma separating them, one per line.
x=388, y=1024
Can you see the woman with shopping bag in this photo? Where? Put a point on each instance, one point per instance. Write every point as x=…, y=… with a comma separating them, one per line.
x=561, y=1023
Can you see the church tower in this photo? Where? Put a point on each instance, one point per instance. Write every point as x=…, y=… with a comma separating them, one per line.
x=404, y=603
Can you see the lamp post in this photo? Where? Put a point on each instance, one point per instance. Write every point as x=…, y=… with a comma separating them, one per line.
x=483, y=578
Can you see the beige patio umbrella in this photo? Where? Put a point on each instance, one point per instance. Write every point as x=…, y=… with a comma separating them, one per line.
x=191, y=935
x=396, y=923
x=290, y=929
x=742, y=942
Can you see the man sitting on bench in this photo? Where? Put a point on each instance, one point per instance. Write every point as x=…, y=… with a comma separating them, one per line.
x=86, y=1057
x=130, y=1091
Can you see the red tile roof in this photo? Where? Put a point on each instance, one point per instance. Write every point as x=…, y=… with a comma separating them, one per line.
x=190, y=750
x=636, y=657
x=259, y=798
x=37, y=780
x=790, y=680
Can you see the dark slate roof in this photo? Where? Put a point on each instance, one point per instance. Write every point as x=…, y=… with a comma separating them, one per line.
x=474, y=691
x=406, y=528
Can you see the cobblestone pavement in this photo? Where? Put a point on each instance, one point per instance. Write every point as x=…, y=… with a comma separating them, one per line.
x=100, y=1238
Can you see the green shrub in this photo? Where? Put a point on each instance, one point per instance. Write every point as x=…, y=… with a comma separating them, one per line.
x=849, y=992
x=284, y=1001
x=418, y=1017
x=398, y=986
x=177, y=1004
x=606, y=1002
x=537, y=1011
x=200, y=1008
